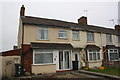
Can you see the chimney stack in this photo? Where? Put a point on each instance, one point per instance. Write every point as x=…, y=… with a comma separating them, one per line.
x=117, y=27
x=22, y=11
x=83, y=20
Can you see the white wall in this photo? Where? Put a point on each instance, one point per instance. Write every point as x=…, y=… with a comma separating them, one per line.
x=8, y=66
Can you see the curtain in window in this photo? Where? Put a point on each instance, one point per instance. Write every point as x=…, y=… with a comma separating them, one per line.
x=75, y=35
x=41, y=58
x=90, y=56
x=62, y=33
x=42, y=33
x=90, y=36
x=113, y=56
x=94, y=55
x=109, y=37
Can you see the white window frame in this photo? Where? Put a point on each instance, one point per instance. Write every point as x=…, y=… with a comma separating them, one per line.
x=34, y=52
x=75, y=32
x=88, y=52
x=62, y=33
x=39, y=38
x=112, y=52
x=91, y=35
x=109, y=36
x=118, y=39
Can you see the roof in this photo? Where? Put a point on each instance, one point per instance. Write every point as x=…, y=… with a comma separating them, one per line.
x=111, y=47
x=92, y=47
x=15, y=52
x=64, y=24
x=51, y=45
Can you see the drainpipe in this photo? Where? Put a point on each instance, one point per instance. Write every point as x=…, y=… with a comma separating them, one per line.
x=22, y=45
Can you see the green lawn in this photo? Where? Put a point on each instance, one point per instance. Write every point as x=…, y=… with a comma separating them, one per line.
x=108, y=70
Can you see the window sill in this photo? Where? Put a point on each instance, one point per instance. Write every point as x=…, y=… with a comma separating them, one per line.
x=43, y=64
x=94, y=61
x=75, y=39
x=63, y=38
x=113, y=60
x=43, y=40
x=90, y=41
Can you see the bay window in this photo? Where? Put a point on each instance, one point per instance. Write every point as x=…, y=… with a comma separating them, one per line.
x=93, y=55
x=112, y=54
x=43, y=57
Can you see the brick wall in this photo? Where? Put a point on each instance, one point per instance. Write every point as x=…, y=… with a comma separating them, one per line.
x=28, y=57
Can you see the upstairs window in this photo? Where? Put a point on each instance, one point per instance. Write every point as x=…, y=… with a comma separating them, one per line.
x=62, y=34
x=118, y=38
x=75, y=35
x=43, y=33
x=109, y=38
x=90, y=36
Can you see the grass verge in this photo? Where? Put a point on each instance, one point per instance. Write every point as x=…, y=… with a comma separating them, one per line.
x=108, y=70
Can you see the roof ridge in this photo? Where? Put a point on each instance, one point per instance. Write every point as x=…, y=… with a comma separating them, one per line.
x=50, y=19
x=101, y=27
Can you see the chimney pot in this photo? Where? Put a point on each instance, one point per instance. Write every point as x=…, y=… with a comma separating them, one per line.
x=83, y=20
x=22, y=11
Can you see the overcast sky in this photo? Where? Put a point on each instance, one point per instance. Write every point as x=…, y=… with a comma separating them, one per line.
x=98, y=13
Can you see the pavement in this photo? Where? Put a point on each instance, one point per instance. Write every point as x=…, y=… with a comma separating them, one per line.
x=70, y=75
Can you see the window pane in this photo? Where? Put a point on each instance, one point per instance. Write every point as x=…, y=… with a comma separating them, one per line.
x=90, y=51
x=118, y=38
x=111, y=50
x=46, y=34
x=43, y=33
x=90, y=36
x=98, y=56
x=109, y=37
x=62, y=34
x=94, y=56
x=66, y=56
x=41, y=50
x=60, y=59
x=75, y=35
x=43, y=58
x=115, y=51
x=113, y=56
x=90, y=56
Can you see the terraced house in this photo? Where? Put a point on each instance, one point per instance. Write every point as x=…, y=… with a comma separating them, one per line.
x=50, y=45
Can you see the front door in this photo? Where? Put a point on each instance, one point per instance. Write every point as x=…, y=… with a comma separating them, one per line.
x=64, y=60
